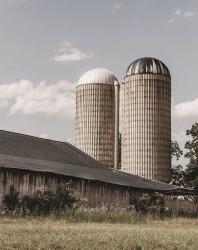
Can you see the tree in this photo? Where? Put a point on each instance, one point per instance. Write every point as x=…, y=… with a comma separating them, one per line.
x=177, y=173
x=175, y=150
x=191, y=173
x=178, y=176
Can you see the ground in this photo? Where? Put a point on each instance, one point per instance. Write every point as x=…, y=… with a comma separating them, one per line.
x=50, y=233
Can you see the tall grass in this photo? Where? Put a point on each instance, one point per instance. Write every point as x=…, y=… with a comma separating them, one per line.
x=95, y=216
x=98, y=230
x=122, y=217
x=58, y=233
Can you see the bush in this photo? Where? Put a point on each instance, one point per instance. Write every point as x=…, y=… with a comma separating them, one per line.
x=151, y=203
x=42, y=202
x=10, y=200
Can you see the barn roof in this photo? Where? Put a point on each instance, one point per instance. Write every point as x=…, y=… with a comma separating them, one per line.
x=24, y=152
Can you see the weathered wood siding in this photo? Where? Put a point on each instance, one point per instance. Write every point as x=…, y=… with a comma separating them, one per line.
x=182, y=206
x=97, y=193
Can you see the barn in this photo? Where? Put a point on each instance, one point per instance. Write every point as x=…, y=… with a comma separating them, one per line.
x=28, y=163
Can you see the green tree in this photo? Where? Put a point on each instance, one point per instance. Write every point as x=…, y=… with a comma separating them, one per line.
x=175, y=150
x=191, y=173
x=177, y=173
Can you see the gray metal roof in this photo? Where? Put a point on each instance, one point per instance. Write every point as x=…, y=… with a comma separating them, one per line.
x=30, y=153
x=147, y=65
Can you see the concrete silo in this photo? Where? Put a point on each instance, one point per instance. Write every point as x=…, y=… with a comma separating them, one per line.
x=96, y=124
x=146, y=120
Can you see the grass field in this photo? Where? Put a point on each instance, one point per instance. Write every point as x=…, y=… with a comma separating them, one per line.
x=63, y=233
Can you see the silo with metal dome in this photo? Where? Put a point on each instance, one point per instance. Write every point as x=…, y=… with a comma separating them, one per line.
x=146, y=120
x=96, y=123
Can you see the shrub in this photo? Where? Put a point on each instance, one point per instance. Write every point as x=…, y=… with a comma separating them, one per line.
x=42, y=202
x=11, y=200
x=151, y=203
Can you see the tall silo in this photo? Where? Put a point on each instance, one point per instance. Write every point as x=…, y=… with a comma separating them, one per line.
x=96, y=115
x=146, y=119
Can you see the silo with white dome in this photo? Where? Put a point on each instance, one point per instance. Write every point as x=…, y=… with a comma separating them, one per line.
x=96, y=115
x=146, y=120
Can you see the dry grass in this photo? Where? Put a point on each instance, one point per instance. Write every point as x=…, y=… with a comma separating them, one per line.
x=52, y=233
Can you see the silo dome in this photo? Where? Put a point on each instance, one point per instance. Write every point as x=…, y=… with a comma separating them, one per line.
x=147, y=65
x=98, y=76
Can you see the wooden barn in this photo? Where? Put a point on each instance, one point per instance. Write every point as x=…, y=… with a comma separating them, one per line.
x=28, y=163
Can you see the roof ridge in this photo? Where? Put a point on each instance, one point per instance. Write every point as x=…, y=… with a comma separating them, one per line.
x=32, y=136
x=81, y=154
x=61, y=146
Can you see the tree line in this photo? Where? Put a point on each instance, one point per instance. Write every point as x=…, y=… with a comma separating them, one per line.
x=188, y=176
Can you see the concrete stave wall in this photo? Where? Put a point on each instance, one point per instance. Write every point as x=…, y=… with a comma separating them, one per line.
x=146, y=126
x=95, y=121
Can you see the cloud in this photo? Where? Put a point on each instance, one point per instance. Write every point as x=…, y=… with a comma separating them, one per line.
x=117, y=5
x=178, y=12
x=188, y=14
x=43, y=135
x=186, y=109
x=181, y=14
x=171, y=20
x=28, y=98
x=68, y=53
x=4, y=104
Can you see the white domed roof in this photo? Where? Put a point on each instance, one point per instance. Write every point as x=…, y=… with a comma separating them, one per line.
x=99, y=75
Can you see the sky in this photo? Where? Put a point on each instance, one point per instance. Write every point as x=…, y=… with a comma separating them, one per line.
x=46, y=45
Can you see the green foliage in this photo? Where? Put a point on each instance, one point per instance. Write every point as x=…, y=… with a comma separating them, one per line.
x=42, y=202
x=177, y=173
x=11, y=199
x=191, y=173
x=151, y=204
x=175, y=150
x=178, y=176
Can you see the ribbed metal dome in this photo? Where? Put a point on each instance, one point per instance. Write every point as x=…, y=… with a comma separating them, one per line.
x=99, y=75
x=147, y=65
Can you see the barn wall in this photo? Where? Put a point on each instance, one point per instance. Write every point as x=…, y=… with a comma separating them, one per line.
x=97, y=193
x=182, y=206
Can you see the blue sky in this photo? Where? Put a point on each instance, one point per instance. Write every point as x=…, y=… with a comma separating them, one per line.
x=45, y=46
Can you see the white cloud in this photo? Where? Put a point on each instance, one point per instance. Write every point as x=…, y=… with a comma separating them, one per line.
x=117, y=5
x=188, y=14
x=170, y=21
x=43, y=135
x=3, y=104
x=30, y=99
x=186, y=109
x=178, y=12
x=181, y=14
x=68, y=53
x=68, y=140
